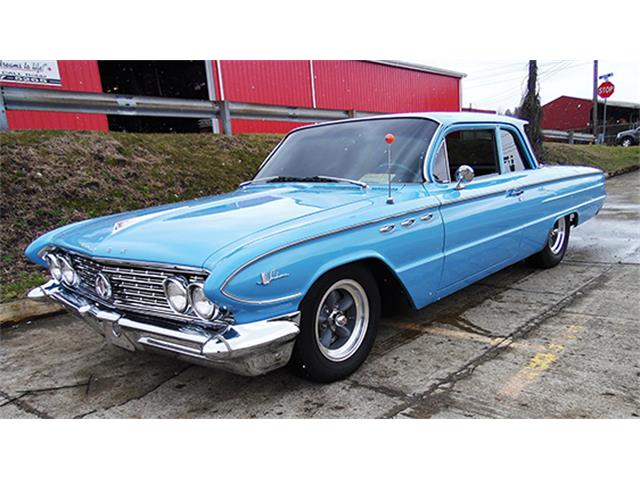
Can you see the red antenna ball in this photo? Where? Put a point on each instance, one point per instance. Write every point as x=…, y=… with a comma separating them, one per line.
x=389, y=138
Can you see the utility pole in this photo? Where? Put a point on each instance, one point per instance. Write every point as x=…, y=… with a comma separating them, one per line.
x=594, y=108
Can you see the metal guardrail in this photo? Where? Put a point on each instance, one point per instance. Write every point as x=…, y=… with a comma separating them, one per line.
x=568, y=136
x=47, y=100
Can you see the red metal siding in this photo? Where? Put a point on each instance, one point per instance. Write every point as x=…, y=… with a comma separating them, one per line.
x=78, y=75
x=374, y=87
x=276, y=82
x=567, y=113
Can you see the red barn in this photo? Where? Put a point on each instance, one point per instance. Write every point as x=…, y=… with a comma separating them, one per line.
x=573, y=113
x=373, y=86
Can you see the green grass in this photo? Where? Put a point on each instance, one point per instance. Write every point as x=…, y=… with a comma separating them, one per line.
x=22, y=283
x=52, y=178
x=610, y=159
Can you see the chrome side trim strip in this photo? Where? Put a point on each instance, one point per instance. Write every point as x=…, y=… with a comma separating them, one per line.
x=434, y=204
x=260, y=302
x=507, y=190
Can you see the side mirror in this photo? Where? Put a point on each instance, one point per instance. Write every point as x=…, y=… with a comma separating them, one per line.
x=464, y=174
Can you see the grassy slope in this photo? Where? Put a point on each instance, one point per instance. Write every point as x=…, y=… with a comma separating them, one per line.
x=610, y=159
x=52, y=178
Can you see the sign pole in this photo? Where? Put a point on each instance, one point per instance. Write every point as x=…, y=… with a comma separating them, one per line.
x=605, y=90
x=594, y=107
x=604, y=123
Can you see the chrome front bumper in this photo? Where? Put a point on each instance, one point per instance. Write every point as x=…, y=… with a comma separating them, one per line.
x=247, y=349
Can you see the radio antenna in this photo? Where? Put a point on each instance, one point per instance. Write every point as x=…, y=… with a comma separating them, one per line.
x=389, y=138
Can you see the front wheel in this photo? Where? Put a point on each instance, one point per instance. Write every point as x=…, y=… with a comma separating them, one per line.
x=338, y=326
x=556, y=246
x=626, y=142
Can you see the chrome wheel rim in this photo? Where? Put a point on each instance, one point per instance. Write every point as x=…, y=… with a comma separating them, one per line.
x=342, y=320
x=557, y=235
x=626, y=142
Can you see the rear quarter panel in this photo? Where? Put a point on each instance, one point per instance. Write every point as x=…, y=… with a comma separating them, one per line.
x=552, y=192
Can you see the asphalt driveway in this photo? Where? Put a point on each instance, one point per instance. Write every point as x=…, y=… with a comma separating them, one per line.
x=522, y=343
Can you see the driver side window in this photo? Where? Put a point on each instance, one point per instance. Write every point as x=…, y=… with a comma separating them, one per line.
x=474, y=147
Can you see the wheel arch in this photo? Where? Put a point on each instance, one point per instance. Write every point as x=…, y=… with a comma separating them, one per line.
x=394, y=296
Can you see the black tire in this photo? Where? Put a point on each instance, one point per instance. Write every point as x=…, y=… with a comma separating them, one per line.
x=549, y=256
x=307, y=359
x=626, y=141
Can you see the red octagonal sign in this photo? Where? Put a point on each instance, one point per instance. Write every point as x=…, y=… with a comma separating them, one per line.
x=605, y=90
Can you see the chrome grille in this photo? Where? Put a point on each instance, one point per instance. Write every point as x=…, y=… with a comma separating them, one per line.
x=135, y=288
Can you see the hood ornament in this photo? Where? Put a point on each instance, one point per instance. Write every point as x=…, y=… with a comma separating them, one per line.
x=267, y=277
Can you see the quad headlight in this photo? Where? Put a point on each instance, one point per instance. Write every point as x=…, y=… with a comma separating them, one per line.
x=204, y=308
x=69, y=275
x=183, y=295
x=175, y=288
x=55, y=269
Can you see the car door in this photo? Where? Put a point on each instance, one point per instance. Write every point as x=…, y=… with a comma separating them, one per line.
x=481, y=218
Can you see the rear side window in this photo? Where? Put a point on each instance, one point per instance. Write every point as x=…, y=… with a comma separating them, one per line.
x=476, y=148
x=512, y=153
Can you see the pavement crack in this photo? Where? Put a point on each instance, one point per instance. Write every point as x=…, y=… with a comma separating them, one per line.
x=52, y=389
x=138, y=397
x=389, y=392
x=442, y=387
x=22, y=405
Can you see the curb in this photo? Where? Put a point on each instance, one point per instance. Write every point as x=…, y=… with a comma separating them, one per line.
x=622, y=171
x=21, y=310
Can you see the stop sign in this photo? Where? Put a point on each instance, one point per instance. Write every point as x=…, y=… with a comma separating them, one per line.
x=605, y=90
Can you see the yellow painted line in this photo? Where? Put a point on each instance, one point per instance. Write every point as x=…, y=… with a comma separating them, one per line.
x=539, y=363
x=459, y=334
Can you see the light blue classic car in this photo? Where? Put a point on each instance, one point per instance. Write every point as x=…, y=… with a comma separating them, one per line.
x=341, y=219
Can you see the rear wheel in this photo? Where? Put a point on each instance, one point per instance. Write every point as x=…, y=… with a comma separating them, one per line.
x=626, y=142
x=339, y=324
x=556, y=246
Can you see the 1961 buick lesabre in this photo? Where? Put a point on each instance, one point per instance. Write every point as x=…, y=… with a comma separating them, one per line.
x=341, y=219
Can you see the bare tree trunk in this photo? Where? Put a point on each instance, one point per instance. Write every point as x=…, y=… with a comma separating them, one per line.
x=531, y=110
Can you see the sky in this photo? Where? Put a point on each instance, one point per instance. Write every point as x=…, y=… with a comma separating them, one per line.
x=499, y=85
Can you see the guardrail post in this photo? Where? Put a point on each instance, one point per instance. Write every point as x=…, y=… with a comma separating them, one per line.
x=571, y=140
x=4, y=123
x=225, y=118
x=352, y=113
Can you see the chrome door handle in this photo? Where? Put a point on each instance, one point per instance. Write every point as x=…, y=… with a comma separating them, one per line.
x=516, y=193
x=427, y=217
x=387, y=228
x=407, y=223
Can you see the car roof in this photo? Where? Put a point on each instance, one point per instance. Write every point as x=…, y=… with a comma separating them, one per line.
x=444, y=118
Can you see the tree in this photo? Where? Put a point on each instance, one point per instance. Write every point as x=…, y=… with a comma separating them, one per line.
x=531, y=110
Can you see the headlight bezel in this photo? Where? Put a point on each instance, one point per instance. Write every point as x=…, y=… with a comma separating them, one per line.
x=182, y=285
x=198, y=288
x=67, y=266
x=53, y=262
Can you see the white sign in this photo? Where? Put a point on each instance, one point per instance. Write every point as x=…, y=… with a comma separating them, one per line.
x=38, y=72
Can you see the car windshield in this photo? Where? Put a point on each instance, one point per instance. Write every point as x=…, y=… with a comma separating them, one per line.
x=352, y=150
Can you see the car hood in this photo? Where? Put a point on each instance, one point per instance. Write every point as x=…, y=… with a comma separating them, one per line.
x=188, y=233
